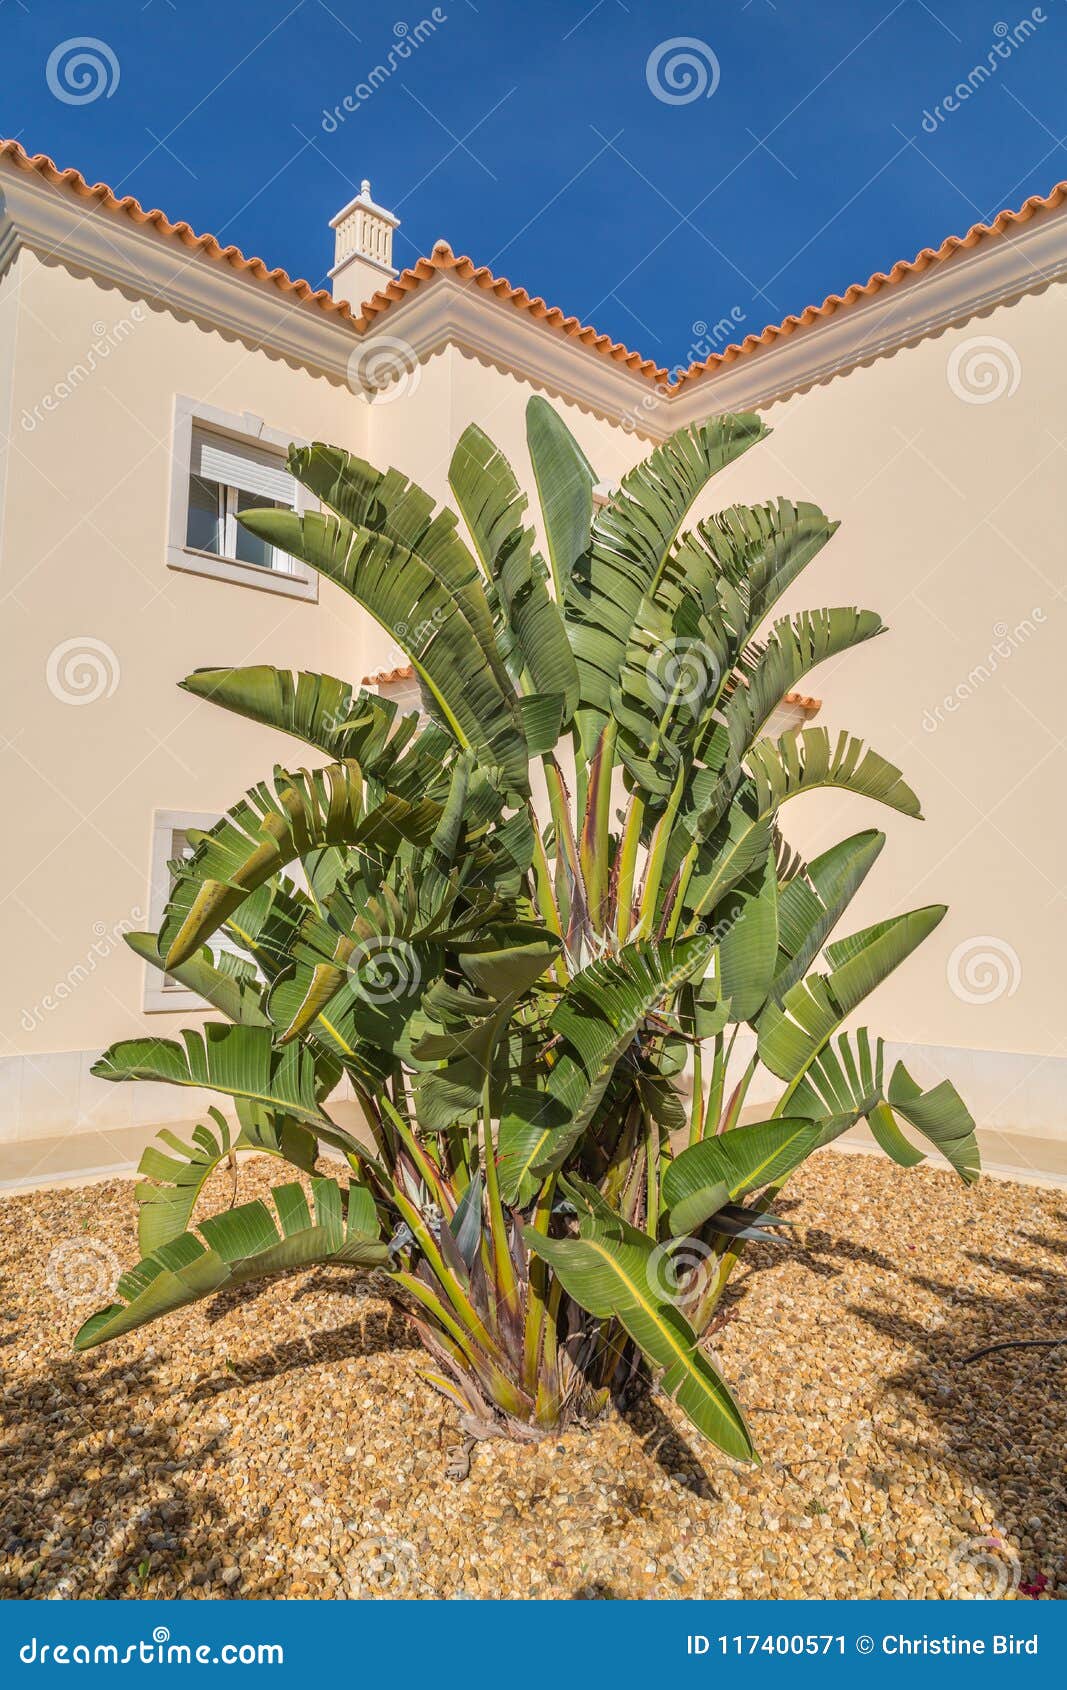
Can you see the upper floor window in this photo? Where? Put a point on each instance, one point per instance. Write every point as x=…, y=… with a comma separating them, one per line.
x=226, y=479
x=224, y=465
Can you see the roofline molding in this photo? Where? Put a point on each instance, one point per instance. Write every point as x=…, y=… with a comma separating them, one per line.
x=60, y=228
x=445, y=300
x=446, y=310
x=971, y=280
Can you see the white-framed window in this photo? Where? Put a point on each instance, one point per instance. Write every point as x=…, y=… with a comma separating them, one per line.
x=225, y=464
x=171, y=843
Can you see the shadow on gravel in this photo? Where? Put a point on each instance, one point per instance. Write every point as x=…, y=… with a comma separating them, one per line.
x=1002, y=1416
x=105, y=1485
x=82, y=1516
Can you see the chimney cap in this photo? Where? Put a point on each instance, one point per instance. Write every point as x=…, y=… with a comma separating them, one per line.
x=364, y=202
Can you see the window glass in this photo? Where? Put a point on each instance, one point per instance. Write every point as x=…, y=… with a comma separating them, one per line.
x=249, y=548
x=204, y=525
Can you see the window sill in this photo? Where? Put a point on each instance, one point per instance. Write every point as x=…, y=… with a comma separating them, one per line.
x=162, y=1000
x=192, y=562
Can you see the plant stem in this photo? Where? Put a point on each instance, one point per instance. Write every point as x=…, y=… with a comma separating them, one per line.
x=506, y=1282
x=657, y=857
x=593, y=851
x=739, y=1094
x=628, y=849
x=538, y=1289
x=696, y=1113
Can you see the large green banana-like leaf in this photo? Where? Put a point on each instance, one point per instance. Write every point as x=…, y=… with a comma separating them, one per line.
x=725, y=1168
x=812, y=903
x=733, y=828
x=231, y=983
x=240, y=1061
x=493, y=507
x=800, y=762
x=387, y=503
x=631, y=543
x=758, y=552
x=610, y=1270
x=792, y=1034
x=746, y=927
x=846, y=1083
x=266, y=830
x=456, y=658
x=691, y=629
x=565, y=480
x=326, y=713
x=597, y=1019
x=795, y=646
x=463, y=1027
x=172, y=1183
x=243, y=1244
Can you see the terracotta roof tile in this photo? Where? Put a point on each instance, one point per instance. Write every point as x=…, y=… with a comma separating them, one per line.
x=1001, y=224
x=74, y=182
x=386, y=677
x=444, y=260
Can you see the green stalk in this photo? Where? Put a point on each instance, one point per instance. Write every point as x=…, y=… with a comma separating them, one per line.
x=713, y=1108
x=651, y=1175
x=685, y=875
x=445, y=1277
x=504, y=1267
x=546, y=898
x=433, y=1304
x=628, y=849
x=696, y=1113
x=536, y=1299
x=657, y=857
x=426, y=1166
x=739, y=1095
x=594, y=848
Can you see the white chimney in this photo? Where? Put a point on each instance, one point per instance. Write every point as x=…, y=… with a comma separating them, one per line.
x=363, y=259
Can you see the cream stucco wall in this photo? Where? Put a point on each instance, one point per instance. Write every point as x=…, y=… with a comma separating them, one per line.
x=952, y=516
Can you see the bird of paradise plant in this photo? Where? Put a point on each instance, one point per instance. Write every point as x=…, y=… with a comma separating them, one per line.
x=537, y=926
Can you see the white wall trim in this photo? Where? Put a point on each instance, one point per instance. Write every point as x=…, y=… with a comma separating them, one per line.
x=952, y=291
x=300, y=582
x=159, y=998
x=446, y=310
x=62, y=229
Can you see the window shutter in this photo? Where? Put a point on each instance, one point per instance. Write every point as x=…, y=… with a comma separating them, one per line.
x=249, y=468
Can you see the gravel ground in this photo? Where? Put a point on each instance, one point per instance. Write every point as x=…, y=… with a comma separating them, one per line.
x=279, y=1441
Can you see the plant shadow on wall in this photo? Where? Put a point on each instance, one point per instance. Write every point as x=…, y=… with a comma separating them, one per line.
x=515, y=988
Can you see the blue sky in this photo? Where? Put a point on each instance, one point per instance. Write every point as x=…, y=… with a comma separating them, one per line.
x=535, y=136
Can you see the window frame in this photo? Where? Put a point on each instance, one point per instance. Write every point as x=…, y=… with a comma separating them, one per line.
x=296, y=581
x=160, y=998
